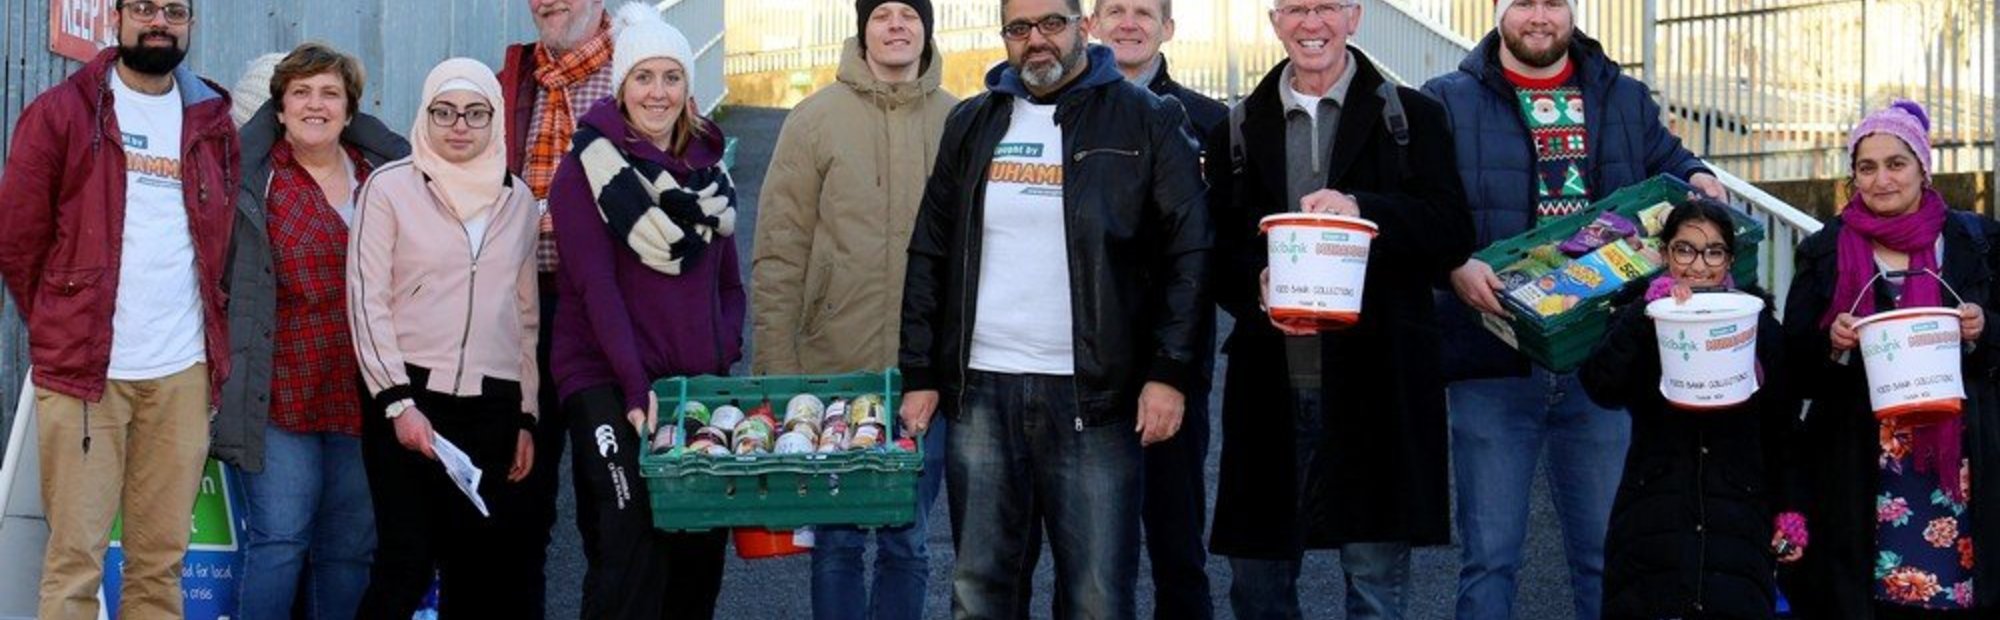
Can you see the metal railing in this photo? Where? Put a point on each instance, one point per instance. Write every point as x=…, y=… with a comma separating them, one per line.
x=1770, y=87
x=702, y=21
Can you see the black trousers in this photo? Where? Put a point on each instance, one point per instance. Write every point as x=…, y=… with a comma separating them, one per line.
x=634, y=571
x=425, y=526
x=533, y=524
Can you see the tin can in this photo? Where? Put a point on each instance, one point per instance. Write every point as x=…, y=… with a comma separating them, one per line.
x=867, y=436
x=804, y=405
x=701, y=446
x=795, y=443
x=835, y=411
x=833, y=439
x=866, y=409
x=694, y=410
x=726, y=416
x=666, y=439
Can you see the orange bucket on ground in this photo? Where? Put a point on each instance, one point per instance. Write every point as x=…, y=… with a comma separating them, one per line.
x=757, y=544
x=1318, y=264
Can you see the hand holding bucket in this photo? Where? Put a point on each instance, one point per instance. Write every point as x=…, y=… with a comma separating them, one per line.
x=1913, y=358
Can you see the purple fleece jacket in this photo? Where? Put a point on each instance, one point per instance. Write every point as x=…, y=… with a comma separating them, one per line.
x=619, y=322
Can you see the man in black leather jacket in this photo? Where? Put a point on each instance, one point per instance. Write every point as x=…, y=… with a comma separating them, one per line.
x=1084, y=192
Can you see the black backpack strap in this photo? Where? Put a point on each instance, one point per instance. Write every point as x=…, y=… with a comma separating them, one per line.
x=1398, y=123
x=1238, y=154
x=1976, y=226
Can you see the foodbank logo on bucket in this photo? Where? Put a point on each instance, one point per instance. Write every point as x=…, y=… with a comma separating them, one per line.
x=1886, y=349
x=1680, y=343
x=1291, y=248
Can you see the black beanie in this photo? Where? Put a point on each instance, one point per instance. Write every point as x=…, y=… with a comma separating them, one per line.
x=864, y=8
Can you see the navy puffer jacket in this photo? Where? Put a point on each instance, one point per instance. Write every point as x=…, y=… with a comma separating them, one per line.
x=1496, y=160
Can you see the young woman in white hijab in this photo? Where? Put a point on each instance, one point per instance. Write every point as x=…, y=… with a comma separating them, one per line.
x=443, y=308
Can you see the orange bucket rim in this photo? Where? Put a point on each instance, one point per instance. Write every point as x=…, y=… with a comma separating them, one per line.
x=1321, y=220
x=1905, y=313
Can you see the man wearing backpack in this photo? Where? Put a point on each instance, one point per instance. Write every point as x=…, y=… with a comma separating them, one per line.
x=1333, y=439
x=1545, y=124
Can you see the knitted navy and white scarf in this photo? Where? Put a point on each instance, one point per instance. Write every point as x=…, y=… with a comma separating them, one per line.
x=668, y=223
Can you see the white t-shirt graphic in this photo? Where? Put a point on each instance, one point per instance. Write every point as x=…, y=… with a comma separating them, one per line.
x=156, y=330
x=1023, y=320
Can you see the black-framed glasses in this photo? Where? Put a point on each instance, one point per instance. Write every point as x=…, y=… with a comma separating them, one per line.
x=145, y=11
x=1326, y=12
x=477, y=118
x=1050, y=26
x=1684, y=253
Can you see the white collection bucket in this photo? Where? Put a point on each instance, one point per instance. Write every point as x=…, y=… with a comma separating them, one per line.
x=1913, y=361
x=1708, y=348
x=1318, y=264
x=1912, y=357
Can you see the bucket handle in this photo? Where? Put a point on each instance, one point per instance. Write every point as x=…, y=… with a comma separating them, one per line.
x=1869, y=288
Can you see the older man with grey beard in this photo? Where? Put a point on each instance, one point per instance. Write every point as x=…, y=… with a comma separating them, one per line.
x=549, y=83
x=1059, y=364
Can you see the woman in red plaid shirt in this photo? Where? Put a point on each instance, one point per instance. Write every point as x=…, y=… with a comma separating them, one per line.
x=290, y=418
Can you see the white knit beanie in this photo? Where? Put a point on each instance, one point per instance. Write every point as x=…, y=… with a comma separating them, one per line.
x=253, y=89
x=639, y=34
x=1575, y=12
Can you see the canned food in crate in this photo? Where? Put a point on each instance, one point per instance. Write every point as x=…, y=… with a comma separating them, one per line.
x=795, y=442
x=726, y=416
x=865, y=409
x=804, y=405
x=867, y=436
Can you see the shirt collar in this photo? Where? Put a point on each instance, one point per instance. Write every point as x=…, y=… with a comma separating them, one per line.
x=1337, y=92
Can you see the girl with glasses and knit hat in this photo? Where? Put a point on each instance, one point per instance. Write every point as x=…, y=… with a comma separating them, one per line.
x=443, y=309
x=1898, y=507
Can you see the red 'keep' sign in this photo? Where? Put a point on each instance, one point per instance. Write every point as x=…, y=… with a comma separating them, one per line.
x=79, y=28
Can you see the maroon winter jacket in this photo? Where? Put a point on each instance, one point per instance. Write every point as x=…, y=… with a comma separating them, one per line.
x=517, y=86
x=62, y=217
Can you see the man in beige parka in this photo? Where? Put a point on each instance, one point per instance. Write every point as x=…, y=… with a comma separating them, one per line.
x=833, y=230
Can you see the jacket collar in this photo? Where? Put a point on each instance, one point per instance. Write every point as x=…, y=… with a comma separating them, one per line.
x=608, y=121
x=1594, y=69
x=854, y=72
x=1264, y=122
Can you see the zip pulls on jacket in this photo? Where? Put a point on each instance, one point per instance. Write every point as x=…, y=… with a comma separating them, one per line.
x=472, y=281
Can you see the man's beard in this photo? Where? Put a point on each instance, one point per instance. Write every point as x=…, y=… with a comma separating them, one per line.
x=1539, y=60
x=1047, y=75
x=151, y=59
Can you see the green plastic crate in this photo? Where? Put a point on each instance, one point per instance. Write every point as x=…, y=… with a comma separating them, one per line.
x=781, y=492
x=1562, y=342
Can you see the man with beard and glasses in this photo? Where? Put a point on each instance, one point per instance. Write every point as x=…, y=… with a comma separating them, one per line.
x=115, y=215
x=1333, y=439
x=1545, y=124
x=1083, y=193
x=548, y=85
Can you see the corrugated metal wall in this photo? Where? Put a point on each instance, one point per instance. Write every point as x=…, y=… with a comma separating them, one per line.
x=397, y=40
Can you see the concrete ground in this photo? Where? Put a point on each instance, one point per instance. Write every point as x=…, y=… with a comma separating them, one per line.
x=779, y=588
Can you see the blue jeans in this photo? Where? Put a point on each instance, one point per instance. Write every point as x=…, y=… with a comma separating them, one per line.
x=1019, y=449
x=902, y=556
x=1499, y=428
x=1377, y=575
x=310, y=505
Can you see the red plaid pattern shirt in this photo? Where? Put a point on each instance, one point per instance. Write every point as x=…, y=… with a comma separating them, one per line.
x=314, y=377
x=581, y=96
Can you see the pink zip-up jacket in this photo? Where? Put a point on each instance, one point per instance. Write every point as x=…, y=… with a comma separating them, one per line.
x=417, y=295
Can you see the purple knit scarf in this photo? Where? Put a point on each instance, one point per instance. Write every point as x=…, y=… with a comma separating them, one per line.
x=1938, y=446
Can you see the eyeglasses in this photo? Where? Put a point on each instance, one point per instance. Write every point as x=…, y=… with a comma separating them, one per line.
x=1326, y=12
x=1050, y=26
x=177, y=14
x=476, y=118
x=1684, y=254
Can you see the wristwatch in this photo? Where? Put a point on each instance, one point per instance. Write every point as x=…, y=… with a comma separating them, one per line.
x=396, y=409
